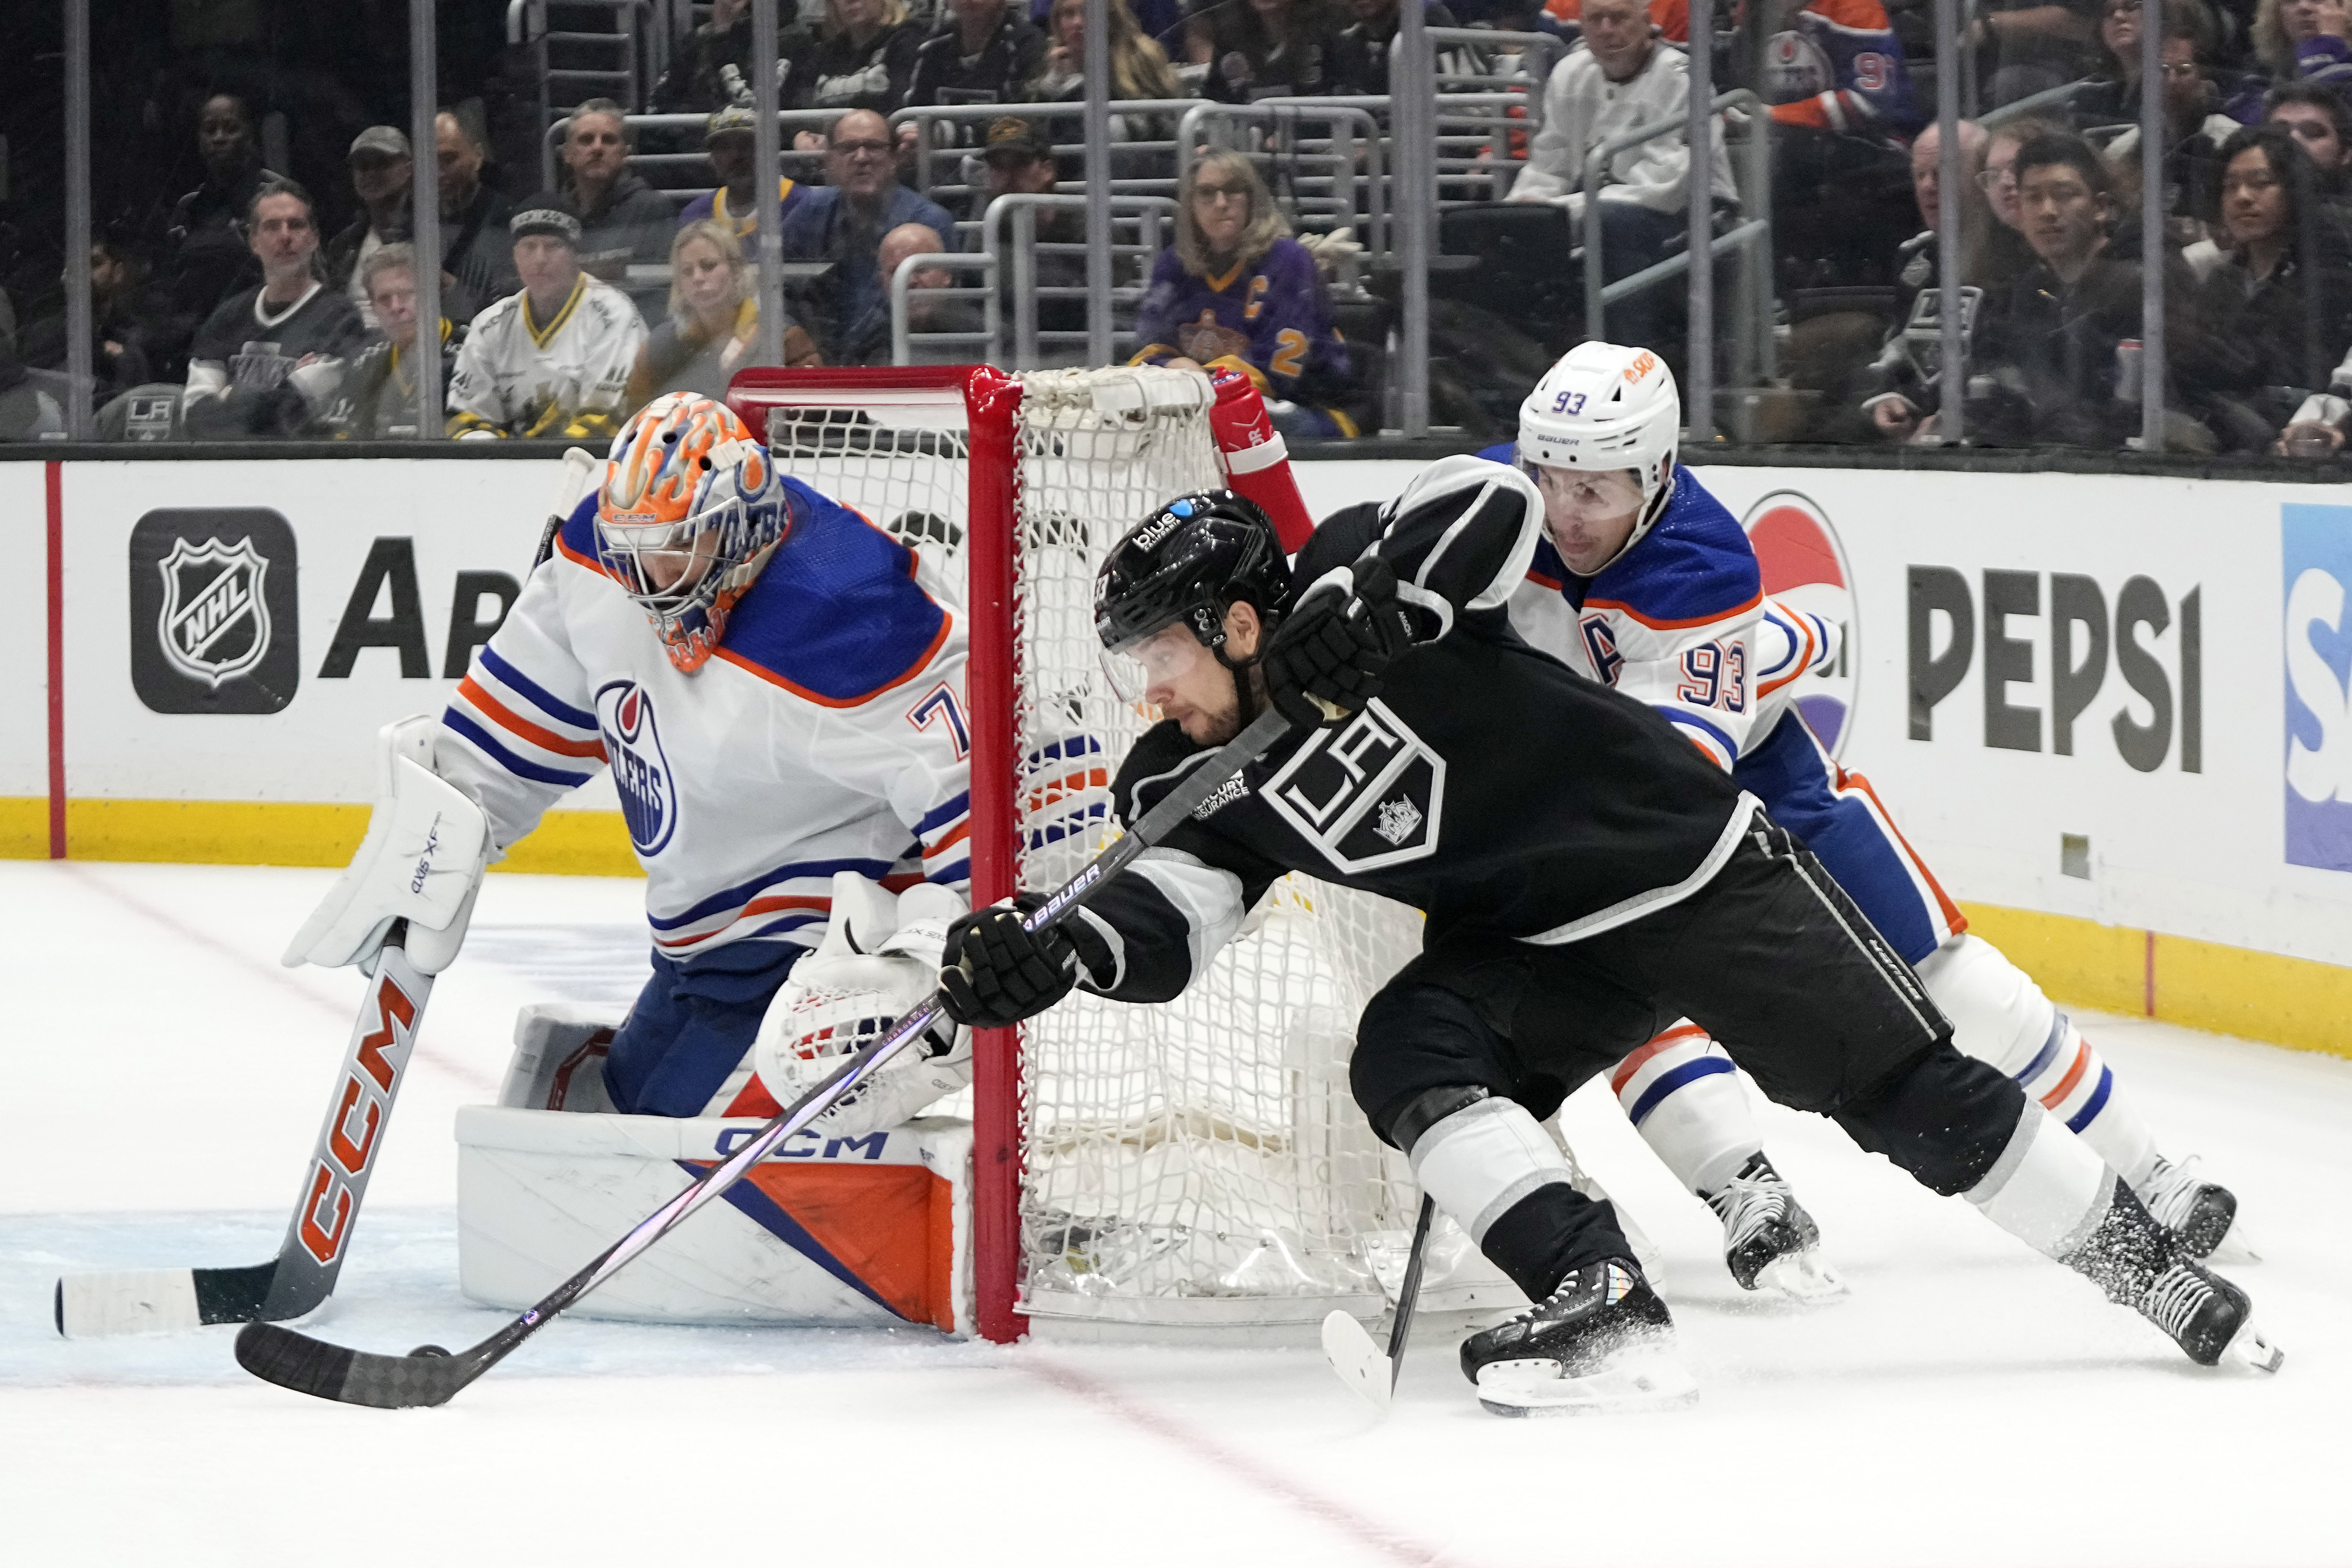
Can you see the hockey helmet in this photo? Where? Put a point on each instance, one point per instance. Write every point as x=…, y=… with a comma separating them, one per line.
x=1605, y=407
x=1191, y=561
x=691, y=509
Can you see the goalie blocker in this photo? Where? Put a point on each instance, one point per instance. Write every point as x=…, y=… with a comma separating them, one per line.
x=1589, y=877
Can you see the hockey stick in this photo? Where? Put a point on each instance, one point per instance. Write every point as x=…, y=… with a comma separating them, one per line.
x=1350, y=1351
x=431, y=1375
x=150, y=1300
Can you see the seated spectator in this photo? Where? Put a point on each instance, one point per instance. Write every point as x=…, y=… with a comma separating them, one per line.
x=846, y=311
x=1157, y=20
x=378, y=401
x=1623, y=77
x=1360, y=55
x=713, y=322
x=1263, y=48
x=732, y=144
x=1236, y=291
x=2320, y=118
x=476, y=251
x=1138, y=66
x=984, y=51
x=1019, y=163
x=131, y=321
x=553, y=359
x=2054, y=340
x=205, y=257
x=2304, y=41
x=381, y=175
x=2195, y=127
x=2025, y=47
x=270, y=361
x=929, y=308
x=865, y=58
x=2276, y=314
x=711, y=69
x=1900, y=385
x=623, y=223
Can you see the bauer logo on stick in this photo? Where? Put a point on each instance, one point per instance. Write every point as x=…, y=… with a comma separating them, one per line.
x=640, y=771
x=212, y=611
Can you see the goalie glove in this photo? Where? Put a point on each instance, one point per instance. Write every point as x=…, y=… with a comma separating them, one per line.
x=1329, y=656
x=879, y=961
x=427, y=847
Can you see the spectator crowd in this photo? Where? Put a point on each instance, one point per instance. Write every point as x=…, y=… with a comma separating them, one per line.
x=270, y=312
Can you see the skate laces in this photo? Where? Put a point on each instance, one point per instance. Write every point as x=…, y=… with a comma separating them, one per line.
x=2174, y=1297
x=1749, y=1202
x=2171, y=1192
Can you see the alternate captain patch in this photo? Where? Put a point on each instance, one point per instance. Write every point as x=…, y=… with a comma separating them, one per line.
x=1367, y=794
x=640, y=771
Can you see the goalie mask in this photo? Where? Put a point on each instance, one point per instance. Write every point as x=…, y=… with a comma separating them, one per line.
x=1191, y=561
x=1603, y=407
x=690, y=511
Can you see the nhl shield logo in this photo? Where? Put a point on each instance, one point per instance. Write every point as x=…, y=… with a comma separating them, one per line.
x=214, y=621
x=624, y=712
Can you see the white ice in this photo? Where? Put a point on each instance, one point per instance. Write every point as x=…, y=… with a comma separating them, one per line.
x=162, y=1079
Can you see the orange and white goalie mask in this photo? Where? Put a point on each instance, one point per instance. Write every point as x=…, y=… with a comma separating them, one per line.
x=690, y=511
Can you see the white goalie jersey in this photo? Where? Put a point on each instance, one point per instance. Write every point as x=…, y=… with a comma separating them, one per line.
x=827, y=733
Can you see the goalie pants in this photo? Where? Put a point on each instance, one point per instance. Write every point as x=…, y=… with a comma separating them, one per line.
x=692, y=1025
x=1770, y=956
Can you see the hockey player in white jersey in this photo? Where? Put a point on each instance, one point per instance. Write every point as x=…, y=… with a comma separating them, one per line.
x=778, y=688
x=1645, y=583
x=553, y=358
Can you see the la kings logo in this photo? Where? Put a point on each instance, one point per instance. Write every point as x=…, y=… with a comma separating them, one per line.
x=640, y=774
x=213, y=625
x=1366, y=794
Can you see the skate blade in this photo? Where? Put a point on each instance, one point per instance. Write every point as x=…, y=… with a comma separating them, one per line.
x=1805, y=1276
x=2253, y=1350
x=1361, y=1365
x=1633, y=1382
x=2233, y=1246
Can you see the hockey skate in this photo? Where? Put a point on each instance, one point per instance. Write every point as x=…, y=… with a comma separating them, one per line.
x=2141, y=1264
x=2202, y=1214
x=1601, y=1344
x=1770, y=1242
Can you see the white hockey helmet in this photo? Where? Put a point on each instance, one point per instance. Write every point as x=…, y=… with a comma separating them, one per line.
x=1605, y=407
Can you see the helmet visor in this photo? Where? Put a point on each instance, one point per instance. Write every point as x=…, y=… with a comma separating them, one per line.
x=1156, y=661
x=664, y=565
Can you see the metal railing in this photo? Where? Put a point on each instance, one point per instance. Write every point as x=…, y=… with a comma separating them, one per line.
x=627, y=78
x=1352, y=190
x=902, y=287
x=798, y=163
x=1751, y=232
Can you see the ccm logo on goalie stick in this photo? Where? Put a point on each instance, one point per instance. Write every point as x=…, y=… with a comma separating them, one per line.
x=1366, y=795
x=352, y=1133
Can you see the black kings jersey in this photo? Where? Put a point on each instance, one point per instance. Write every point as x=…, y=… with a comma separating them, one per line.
x=1489, y=785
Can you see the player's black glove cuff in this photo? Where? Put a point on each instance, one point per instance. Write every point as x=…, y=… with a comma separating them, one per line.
x=996, y=974
x=1336, y=647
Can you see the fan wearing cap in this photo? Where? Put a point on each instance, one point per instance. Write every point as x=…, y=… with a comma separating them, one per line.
x=777, y=688
x=731, y=142
x=553, y=358
x=382, y=172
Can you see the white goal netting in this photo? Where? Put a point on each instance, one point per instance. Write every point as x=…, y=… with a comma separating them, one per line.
x=1200, y=1163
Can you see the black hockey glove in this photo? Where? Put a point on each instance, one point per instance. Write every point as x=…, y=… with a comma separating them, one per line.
x=996, y=974
x=1327, y=661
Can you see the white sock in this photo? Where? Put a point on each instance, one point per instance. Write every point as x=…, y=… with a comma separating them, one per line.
x=1684, y=1099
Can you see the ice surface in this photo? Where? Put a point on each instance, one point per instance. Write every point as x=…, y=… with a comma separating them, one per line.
x=161, y=1080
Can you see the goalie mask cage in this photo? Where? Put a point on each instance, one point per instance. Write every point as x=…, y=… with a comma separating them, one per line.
x=1194, y=1165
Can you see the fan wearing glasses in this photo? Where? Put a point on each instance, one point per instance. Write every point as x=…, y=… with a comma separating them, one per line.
x=848, y=309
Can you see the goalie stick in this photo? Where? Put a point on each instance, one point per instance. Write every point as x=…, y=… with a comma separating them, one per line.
x=1350, y=1350
x=430, y=1375
x=302, y=1275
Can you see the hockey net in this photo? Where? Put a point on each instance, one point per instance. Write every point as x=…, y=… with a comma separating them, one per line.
x=1199, y=1164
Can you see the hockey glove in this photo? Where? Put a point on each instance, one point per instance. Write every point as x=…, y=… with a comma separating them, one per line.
x=996, y=974
x=1329, y=657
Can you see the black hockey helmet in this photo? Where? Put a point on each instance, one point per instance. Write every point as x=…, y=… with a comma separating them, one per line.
x=1191, y=561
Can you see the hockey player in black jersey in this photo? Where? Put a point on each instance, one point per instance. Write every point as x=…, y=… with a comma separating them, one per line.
x=1588, y=877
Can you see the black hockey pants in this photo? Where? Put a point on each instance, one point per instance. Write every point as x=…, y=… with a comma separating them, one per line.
x=1771, y=957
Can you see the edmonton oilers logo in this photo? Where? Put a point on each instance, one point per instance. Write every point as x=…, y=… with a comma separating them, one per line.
x=1805, y=568
x=640, y=771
